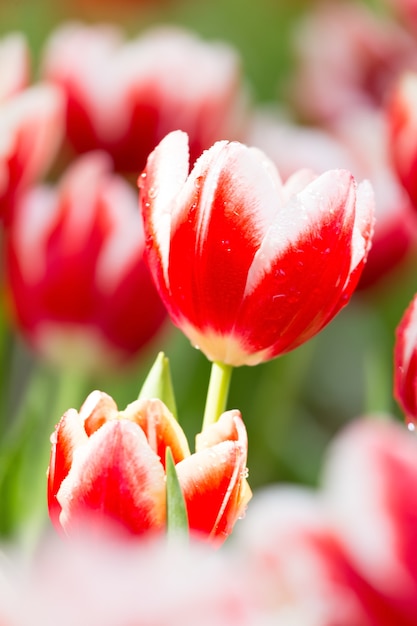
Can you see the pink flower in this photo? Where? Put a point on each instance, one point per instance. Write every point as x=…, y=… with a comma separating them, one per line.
x=249, y=267
x=31, y=127
x=80, y=290
x=109, y=465
x=405, y=363
x=124, y=97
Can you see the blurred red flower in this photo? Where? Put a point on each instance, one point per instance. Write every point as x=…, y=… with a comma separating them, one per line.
x=79, y=289
x=125, y=96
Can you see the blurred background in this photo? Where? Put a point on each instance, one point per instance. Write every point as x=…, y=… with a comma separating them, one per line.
x=292, y=405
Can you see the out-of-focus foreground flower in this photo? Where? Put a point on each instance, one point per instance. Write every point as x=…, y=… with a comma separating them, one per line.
x=124, y=97
x=96, y=581
x=110, y=465
x=248, y=267
x=80, y=290
x=344, y=555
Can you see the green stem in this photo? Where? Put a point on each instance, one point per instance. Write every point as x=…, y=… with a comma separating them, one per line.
x=218, y=392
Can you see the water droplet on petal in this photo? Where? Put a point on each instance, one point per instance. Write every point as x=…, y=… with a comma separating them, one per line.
x=152, y=193
x=198, y=182
x=411, y=426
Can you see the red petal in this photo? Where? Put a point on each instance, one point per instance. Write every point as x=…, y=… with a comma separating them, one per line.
x=215, y=489
x=223, y=212
x=68, y=436
x=115, y=476
x=299, y=289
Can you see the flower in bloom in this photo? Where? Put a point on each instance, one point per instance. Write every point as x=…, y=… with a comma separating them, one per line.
x=79, y=288
x=124, y=97
x=344, y=554
x=249, y=267
x=110, y=465
x=405, y=363
x=402, y=119
x=31, y=127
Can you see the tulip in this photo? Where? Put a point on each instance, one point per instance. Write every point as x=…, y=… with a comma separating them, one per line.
x=405, y=363
x=402, y=119
x=125, y=96
x=347, y=56
x=250, y=268
x=370, y=487
x=109, y=465
x=344, y=553
x=31, y=126
x=80, y=292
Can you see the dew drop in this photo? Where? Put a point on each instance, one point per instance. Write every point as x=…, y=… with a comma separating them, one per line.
x=411, y=426
x=198, y=182
x=244, y=473
x=153, y=192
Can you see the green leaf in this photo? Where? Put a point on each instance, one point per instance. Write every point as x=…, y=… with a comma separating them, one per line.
x=158, y=384
x=177, y=519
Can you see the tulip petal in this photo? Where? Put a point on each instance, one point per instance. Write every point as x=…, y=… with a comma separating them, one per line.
x=69, y=434
x=215, y=489
x=405, y=362
x=222, y=214
x=229, y=427
x=160, y=427
x=166, y=172
x=300, y=274
x=117, y=476
x=97, y=409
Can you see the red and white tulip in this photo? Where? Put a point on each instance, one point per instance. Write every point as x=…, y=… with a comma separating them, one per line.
x=248, y=267
x=109, y=466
